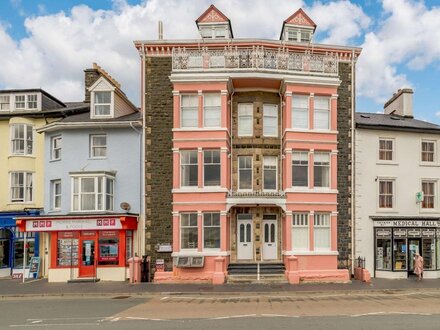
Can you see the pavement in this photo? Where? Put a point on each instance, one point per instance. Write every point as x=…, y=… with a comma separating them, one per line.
x=40, y=287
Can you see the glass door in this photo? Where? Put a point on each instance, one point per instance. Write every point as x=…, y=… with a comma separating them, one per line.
x=245, y=244
x=87, y=266
x=414, y=247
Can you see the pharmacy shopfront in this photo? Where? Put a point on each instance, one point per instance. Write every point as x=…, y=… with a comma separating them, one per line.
x=397, y=242
x=84, y=247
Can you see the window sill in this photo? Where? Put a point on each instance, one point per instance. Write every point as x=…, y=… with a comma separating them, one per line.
x=19, y=155
x=311, y=191
x=190, y=129
x=429, y=164
x=206, y=253
x=311, y=253
x=382, y=162
x=308, y=130
x=199, y=190
x=427, y=211
x=379, y=210
x=54, y=160
x=96, y=158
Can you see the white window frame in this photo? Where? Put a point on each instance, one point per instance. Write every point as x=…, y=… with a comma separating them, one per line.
x=324, y=222
x=181, y=227
x=296, y=109
x=252, y=173
x=300, y=220
x=434, y=152
x=5, y=102
x=212, y=108
x=56, y=145
x=219, y=164
x=25, y=187
x=434, y=196
x=188, y=164
x=292, y=31
x=31, y=98
x=189, y=108
x=94, y=104
x=276, y=172
x=211, y=226
x=25, y=140
x=106, y=179
x=269, y=108
x=318, y=110
x=393, y=195
x=329, y=166
x=53, y=184
x=20, y=101
x=393, y=150
x=245, y=107
x=93, y=146
x=301, y=152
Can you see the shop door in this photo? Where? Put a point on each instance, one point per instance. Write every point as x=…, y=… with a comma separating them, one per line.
x=87, y=266
x=270, y=245
x=414, y=247
x=245, y=244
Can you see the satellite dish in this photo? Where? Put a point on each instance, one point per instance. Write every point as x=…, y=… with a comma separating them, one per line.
x=125, y=206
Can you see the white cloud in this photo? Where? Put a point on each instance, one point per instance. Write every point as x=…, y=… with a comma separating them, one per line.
x=407, y=36
x=61, y=45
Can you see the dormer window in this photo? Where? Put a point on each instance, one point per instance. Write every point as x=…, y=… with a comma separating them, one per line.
x=4, y=102
x=102, y=104
x=298, y=35
x=298, y=28
x=32, y=101
x=20, y=102
x=213, y=32
x=213, y=24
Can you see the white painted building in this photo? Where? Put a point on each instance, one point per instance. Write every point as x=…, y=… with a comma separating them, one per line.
x=397, y=181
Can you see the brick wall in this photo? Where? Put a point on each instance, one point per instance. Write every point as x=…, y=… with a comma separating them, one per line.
x=159, y=157
x=344, y=165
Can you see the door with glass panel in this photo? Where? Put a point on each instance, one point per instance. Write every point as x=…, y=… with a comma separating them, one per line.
x=87, y=266
x=270, y=245
x=245, y=244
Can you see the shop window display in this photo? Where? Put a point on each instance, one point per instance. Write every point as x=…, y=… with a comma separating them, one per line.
x=67, y=249
x=19, y=252
x=383, y=254
x=5, y=241
x=108, y=248
x=399, y=248
x=428, y=253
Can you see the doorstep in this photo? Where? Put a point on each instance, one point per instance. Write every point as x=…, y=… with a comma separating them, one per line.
x=84, y=280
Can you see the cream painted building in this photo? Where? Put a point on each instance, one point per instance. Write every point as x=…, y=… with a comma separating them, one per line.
x=22, y=112
x=397, y=177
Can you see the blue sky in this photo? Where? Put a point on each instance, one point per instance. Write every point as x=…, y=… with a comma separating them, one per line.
x=50, y=42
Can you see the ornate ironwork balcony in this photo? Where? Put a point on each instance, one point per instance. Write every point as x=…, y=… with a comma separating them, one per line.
x=255, y=58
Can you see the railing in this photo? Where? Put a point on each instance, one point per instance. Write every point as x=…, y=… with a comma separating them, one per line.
x=255, y=58
x=257, y=193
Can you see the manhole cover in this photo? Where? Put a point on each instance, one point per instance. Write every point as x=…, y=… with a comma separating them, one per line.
x=121, y=297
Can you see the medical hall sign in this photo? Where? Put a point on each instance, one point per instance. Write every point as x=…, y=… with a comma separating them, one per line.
x=407, y=223
x=73, y=224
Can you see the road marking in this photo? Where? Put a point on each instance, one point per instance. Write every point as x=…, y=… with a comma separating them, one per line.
x=143, y=318
x=116, y=319
x=276, y=315
x=164, y=298
x=37, y=321
x=231, y=317
x=50, y=324
x=389, y=313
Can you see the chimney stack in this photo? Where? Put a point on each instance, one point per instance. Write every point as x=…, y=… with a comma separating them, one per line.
x=90, y=76
x=160, y=30
x=401, y=103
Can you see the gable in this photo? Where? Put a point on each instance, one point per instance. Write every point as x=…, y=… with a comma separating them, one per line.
x=102, y=84
x=300, y=18
x=212, y=15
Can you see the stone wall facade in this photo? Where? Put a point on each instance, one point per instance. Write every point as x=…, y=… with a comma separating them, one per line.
x=159, y=157
x=345, y=122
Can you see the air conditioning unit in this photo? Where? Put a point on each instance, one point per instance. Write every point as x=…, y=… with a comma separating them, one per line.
x=190, y=262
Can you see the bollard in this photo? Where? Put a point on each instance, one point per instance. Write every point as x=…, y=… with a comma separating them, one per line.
x=131, y=268
x=137, y=269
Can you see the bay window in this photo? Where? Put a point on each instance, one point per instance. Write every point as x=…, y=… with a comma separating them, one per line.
x=245, y=119
x=300, y=231
x=211, y=167
x=270, y=120
x=22, y=187
x=56, y=194
x=189, y=236
x=22, y=139
x=56, y=142
x=300, y=111
x=211, y=230
x=93, y=193
x=300, y=169
x=212, y=110
x=189, y=111
x=321, y=231
x=321, y=169
x=321, y=113
x=189, y=170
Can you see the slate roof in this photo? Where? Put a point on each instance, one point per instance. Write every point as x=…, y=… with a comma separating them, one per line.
x=85, y=118
x=394, y=123
x=31, y=90
x=69, y=109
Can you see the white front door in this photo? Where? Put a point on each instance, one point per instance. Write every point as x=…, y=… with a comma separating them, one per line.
x=270, y=245
x=245, y=244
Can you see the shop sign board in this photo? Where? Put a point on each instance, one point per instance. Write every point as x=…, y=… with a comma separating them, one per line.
x=34, y=266
x=73, y=224
x=407, y=223
x=400, y=233
x=384, y=233
x=414, y=232
x=160, y=265
x=428, y=233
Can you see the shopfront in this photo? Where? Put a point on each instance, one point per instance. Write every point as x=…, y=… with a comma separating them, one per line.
x=397, y=242
x=13, y=244
x=86, y=247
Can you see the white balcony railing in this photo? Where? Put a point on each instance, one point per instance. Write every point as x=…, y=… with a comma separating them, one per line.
x=256, y=58
x=256, y=194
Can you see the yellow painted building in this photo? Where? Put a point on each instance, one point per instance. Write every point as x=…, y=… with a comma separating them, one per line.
x=22, y=158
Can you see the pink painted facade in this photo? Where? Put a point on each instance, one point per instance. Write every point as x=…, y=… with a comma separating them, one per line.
x=254, y=157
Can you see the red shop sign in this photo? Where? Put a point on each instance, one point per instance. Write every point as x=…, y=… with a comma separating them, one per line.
x=108, y=233
x=68, y=234
x=88, y=233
